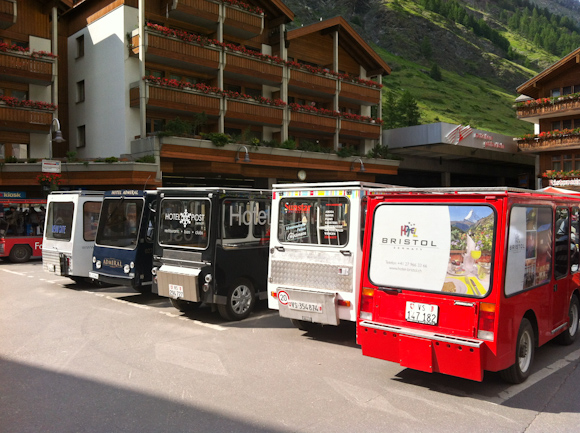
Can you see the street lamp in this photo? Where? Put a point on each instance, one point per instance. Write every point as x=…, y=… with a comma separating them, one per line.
x=57, y=136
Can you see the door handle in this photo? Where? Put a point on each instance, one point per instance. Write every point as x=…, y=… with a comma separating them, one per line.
x=555, y=287
x=279, y=248
x=345, y=252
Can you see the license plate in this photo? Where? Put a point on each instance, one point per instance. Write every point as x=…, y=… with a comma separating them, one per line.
x=93, y=275
x=305, y=306
x=175, y=291
x=417, y=312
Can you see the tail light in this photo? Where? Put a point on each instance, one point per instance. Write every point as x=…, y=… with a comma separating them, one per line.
x=366, y=303
x=486, y=321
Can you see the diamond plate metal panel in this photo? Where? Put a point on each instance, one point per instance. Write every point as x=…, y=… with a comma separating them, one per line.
x=312, y=275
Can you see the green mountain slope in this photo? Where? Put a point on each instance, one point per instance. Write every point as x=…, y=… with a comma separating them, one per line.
x=467, y=40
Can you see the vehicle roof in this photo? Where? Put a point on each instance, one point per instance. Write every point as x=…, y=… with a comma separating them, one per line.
x=499, y=190
x=80, y=192
x=327, y=185
x=216, y=189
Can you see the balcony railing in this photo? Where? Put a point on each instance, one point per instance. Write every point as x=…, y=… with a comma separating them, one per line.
x=161, y=49
x=357, y=92
x=7, y=13
x=243, y=65
x=306, y=80
x=177, y=100
x=552, y=143
x=201, y=12
x=242, y=23
x=554, y=107
x=301, y=120
x=254, y=113
x=25, y=69
x=25, y=120
x=359, y=129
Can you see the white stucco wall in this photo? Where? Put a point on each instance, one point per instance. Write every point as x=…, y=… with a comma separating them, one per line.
x=107, y=71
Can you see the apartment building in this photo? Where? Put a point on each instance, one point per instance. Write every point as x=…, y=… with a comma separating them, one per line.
x=34, y=105
x=290, y=97
x=551, y=101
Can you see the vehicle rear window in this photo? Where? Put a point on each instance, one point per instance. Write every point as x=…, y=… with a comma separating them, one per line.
x=184, y=222
x=318, y=221
x=436, y=248
x=59, y=221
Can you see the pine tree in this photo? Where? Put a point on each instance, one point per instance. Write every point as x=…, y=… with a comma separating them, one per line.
x=407, y=106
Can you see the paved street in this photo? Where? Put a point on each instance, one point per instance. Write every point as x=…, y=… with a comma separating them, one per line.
x=79, y=358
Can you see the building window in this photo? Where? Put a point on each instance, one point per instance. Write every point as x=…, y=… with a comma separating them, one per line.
x=81, y=91
x=21, y=44
x=566, y=162
x=80, y=46
x=21, y=95
x=554, y=93
x=567, y=159
x=155, y=73
x=567, y=90
x=233, y=88
x=81, y=136
x=254, y=93
x=577, y=88
x=556, y=163
x=567, y=124
x=154, y=125
x=555, y=125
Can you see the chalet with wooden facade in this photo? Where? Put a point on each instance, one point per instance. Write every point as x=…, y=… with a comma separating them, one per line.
x=291, y=98
x=551, y=101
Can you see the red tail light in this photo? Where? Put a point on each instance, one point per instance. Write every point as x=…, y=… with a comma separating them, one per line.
x=366, y=303
x=486, y=321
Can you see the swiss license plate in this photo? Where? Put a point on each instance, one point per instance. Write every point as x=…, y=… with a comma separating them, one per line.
x=417, y=312
x=93, y=275
x=305, y=306
x=175, y=291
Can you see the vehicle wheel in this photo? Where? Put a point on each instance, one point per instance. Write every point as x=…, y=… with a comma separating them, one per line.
x=184, y=306
x=525, y=346
x=302, y=324
x=240, y=302
x=569, y=335
x=19, y=254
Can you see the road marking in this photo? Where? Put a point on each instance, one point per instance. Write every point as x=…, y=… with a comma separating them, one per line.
x=514, y=390
x=13, y=272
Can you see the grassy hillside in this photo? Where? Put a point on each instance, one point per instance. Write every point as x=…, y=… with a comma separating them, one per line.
x=479, y=81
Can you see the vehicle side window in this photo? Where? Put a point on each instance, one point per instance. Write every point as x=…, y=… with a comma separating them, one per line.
x=60, y=221
x=574, y=232
x=561, y=237
x=529, y=256
x=91, y=210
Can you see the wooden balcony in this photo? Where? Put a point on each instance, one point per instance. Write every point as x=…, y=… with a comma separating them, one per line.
x=549, y=144
x=255, y=113
x=175, y=100
x=25, y=69
x=312, y=83
x=253, y=69
x=312, y=122
x=203, y=13
x=356, y=129
x=24, y=120
x=241, y=23
x=7, y=13
x=559, y=108
x=359, y=93
x=177, y=53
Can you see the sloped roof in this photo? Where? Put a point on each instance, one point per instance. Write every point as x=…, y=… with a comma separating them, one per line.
x=349, y=39
x=532, y=87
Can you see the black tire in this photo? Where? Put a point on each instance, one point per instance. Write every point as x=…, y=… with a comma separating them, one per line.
x=20, y=254
x=525, y=346
x=184, y=306
x=569, y=335
x=240, y=302
x=302, y=324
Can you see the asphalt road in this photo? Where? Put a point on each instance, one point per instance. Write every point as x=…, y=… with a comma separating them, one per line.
x=78, y=358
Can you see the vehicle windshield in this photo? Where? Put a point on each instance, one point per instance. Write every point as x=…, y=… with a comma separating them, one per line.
x=436, y=248
x=184, y=222
x=318, y=221
x=119, y=222
x=59, y=221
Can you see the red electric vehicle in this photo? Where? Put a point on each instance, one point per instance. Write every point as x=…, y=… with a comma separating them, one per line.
x=460, y=281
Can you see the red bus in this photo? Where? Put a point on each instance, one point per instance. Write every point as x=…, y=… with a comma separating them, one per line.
x=21, y=227
x=462, y=281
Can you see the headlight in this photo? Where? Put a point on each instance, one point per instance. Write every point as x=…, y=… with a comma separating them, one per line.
x=154, y=271
x=98, y=264
x=94, y=259
x=132, y=265
x=126, y=269
x=208, y=278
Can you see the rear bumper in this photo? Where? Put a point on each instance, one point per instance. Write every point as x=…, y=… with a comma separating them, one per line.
x=422, y=350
